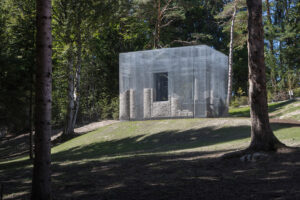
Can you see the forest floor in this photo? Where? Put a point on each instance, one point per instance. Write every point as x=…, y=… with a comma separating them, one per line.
x=167, y=159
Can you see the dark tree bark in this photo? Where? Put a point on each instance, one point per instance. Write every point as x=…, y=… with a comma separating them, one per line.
x=69, y=129
x=41, y=181
x=262, y=137
x=30, y=118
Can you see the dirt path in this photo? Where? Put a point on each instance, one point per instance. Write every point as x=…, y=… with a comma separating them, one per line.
x=94, y=126
x=86, y=128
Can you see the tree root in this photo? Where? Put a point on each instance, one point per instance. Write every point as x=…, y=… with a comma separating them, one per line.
x=252, y=155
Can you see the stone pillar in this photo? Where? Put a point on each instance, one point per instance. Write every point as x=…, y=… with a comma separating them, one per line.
x=124, y=105
x=174, y=106
x=148, y=92
x=132, y=104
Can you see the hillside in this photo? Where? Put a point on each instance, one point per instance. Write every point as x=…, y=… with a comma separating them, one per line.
x=161, y=159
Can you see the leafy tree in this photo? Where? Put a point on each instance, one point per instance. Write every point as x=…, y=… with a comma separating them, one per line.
x=160, y=14
x=282, y=33
x=230, y=11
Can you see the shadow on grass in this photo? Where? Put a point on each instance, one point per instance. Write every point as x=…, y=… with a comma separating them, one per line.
x=197, y=175
x=159, y=142
x=180, y=176
x=245, y=112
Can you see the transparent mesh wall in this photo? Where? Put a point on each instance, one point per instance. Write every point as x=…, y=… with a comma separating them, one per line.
x=196, y=83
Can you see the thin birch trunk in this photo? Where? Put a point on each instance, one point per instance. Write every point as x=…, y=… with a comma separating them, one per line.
x=230, y=63
x=78, y=73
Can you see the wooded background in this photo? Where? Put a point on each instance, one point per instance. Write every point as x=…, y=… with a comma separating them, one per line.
x=88, y=36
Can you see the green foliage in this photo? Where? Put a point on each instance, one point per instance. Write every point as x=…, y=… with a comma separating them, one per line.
x=17, y=59
x=282, y=61
x=107, y=28
x=296, y=92
x=240, y=23
x=239, y=101
x=110, y=110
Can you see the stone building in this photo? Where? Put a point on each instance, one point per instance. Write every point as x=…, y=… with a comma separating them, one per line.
x=173, y=83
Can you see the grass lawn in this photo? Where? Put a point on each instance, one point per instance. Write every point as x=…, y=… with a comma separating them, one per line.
x=285, y=110
x=165, y=159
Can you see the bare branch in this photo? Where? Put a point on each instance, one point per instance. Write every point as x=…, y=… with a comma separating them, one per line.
x=167, y=24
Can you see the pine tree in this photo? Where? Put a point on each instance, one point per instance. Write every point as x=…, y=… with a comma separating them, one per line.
x=262, y=136
x=41, y=180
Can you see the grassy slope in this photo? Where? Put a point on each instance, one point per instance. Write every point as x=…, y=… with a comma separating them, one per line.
x=148, y=138
x=284, y=110
x=164, y=136
x=168, y=136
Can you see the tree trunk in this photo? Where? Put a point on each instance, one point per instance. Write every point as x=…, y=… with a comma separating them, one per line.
x=69, y=129
x=78, y=72
x=157, y=26
x=270, y=21
x=30, y=117
x=262, y=137
x=41, y=180
x=230, y=73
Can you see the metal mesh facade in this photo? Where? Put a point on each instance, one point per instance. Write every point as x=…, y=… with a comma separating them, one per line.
x=173, y=83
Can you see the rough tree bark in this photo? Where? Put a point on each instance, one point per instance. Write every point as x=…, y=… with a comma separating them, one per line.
x=41, y=180
x=30, y=117
x=230, y=72
x=69, y=129
x=262, y=137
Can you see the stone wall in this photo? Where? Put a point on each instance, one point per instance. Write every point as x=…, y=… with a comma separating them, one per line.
x=161, y=109
x=125, y=105
x=132, y=104
x=148, y=99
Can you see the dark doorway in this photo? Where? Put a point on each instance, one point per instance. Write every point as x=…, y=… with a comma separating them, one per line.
x=161, y=86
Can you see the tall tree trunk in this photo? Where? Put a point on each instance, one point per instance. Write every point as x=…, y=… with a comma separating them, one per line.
x=262, y=137
x=230, y=71
x=157, y=25
x=30, y=117
x=69, y=129
x=78, y=71
x=41, y=180
x=270, y=21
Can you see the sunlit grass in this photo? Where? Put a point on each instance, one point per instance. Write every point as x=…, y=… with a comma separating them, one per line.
x=276, y=110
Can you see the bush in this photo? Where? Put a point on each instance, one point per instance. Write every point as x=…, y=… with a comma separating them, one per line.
x=110, y=110
x=297, y=92
x=239, y=101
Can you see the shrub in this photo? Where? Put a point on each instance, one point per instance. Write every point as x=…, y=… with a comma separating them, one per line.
x=297, y=92
x=110, y=109
x=239, y=101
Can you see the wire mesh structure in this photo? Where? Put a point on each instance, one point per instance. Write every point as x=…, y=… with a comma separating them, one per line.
x=173, y=83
